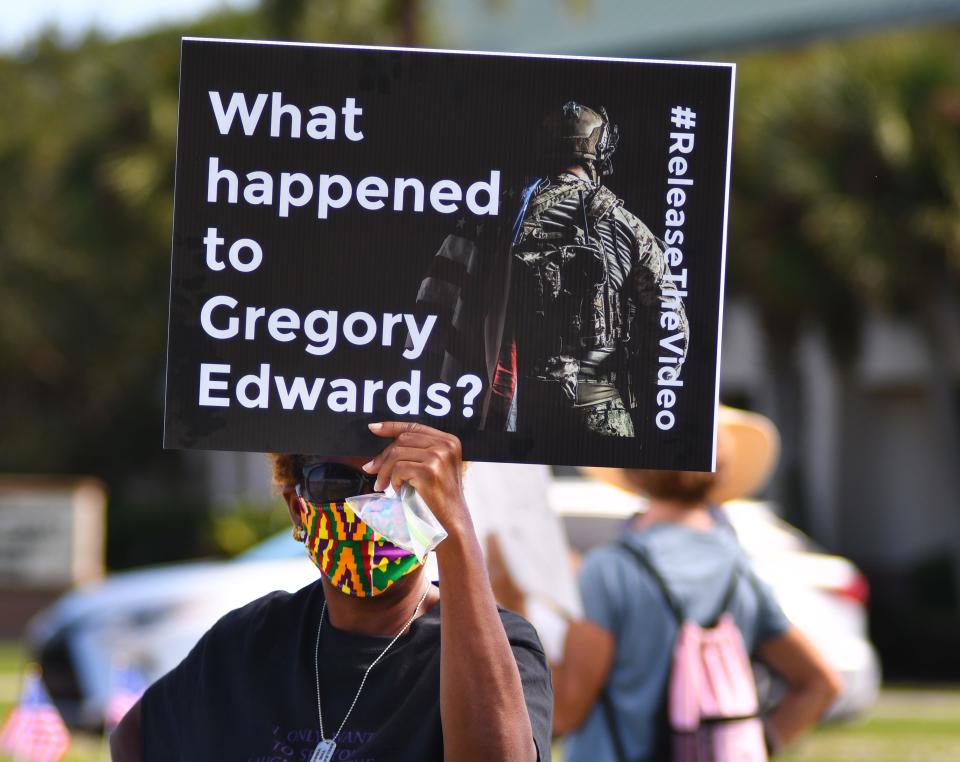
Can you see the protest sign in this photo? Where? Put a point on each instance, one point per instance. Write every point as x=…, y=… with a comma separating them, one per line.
x=365, y=234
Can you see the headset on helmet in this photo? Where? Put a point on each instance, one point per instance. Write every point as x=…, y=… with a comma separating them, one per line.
x=586, y=134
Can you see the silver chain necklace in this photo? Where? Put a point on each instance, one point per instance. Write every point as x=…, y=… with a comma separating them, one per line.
x=326, y=747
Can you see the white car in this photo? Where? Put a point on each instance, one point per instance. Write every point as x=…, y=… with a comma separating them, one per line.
x=150, y=618
x=824, y=595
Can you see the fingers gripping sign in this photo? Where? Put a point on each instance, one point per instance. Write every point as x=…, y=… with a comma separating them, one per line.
x=430, y=460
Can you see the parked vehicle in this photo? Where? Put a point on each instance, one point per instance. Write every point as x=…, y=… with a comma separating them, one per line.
x=150, y=619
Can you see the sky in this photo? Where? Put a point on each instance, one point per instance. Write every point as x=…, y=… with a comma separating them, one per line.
x=22, y=19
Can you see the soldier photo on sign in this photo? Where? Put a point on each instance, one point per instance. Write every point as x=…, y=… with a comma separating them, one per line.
x=560, y=311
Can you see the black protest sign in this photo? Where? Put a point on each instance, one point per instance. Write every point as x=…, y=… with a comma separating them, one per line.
x=525, y=251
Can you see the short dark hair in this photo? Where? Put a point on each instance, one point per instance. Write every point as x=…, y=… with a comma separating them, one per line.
x=287, y=469
x=690, y=487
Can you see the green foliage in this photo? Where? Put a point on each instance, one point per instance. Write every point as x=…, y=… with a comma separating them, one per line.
x=245, y=525
x=87, y=148
x=846, y=184
x=846, y=192
x=144, y=532
x=85, y=219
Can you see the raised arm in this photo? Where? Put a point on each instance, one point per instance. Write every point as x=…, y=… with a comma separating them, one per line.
x=482, y=706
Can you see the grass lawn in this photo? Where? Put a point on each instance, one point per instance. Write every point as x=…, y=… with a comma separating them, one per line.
x=907, y=725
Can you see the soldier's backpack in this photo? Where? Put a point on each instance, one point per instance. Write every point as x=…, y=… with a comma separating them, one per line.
x=712, y=709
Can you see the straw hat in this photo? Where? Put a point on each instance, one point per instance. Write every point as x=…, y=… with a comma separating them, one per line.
x=754, y=449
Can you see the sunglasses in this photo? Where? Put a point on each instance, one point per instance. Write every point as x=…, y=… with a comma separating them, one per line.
x=333, y=482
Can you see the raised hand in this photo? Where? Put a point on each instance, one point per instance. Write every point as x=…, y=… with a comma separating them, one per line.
x=430, y=461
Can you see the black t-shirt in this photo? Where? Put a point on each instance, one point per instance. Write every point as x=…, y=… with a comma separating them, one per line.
x=247, y=691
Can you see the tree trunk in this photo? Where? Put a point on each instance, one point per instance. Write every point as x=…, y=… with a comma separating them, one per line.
x=409, y=23
x=939, y=318
x=788, y=414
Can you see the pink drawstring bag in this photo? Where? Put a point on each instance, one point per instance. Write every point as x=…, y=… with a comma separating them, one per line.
x=712, y=706
x=713, y=697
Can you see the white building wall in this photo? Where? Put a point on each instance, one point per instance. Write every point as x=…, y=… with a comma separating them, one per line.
x=898, y=494
x=878, y=466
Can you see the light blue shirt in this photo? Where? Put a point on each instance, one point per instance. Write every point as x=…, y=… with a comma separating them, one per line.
x=620, y=596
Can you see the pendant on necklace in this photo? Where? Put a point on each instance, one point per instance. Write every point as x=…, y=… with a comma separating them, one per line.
x=324, y=751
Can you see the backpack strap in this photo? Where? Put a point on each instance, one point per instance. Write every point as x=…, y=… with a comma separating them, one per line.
x=675, y=608
x=553, y=195
x=611, y=719
x=644, y=560
x=728, y=594
x=605, y=702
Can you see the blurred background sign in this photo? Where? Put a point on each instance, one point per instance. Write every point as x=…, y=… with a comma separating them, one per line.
x=510, y=501
x=51, y=539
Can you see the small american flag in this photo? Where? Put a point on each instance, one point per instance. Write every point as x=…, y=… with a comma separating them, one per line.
x=34, y=731
x=127, y=686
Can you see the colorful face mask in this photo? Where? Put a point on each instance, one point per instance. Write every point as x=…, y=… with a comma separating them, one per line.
x=353, y=557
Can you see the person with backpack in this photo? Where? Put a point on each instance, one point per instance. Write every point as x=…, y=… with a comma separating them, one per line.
x=659, y=669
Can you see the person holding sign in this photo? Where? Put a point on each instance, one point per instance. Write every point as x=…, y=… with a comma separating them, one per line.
x=372, y=662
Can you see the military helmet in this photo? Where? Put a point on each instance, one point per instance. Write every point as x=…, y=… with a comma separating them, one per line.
x=585, y=133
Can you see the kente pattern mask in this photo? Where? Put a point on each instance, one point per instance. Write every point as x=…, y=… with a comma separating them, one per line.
x=353, y=557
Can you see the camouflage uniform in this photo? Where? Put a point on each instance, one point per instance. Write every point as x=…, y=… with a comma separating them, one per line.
x=585, y=269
